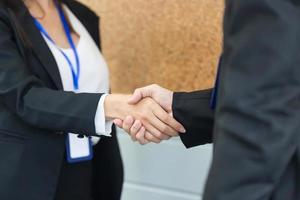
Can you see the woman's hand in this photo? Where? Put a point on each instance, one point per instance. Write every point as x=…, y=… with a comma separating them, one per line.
x=158, y=124
x=136, y=130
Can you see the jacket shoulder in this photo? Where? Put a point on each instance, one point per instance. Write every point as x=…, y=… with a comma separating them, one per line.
x=5, y=19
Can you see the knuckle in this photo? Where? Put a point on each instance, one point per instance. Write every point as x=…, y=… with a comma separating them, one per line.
x=132, y=130
x=160, y=135
x=165, y=137
x=148, y=136
x=157, y=141
x=133, y=133
x=165, y=129
x=144, y=118
x=137, y=124
x=139, y=137
x=126, y=125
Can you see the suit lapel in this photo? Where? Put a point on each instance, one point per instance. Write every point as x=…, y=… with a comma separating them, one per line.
x=40, y=48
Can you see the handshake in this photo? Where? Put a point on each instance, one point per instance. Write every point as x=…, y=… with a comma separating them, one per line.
x=146, y=115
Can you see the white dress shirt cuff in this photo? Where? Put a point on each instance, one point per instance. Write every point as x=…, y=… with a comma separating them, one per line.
x=103, y=127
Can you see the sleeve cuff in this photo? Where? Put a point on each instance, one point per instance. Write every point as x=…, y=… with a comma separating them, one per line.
x=102, y=126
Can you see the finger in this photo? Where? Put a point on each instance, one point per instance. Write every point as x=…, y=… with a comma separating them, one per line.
x=164, y=128
x=136, y=97
x=167, y=138
x=154, y=131
x=127, y=123
x=118, y=123
x=152, y=138
x=137, y=125
x=159, y=121
x=141, y=93
x=169, y=120
x=141, y=136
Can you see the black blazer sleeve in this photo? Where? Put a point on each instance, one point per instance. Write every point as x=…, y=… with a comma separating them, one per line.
x=194, y=112
x=26, y=96
x=257, y=120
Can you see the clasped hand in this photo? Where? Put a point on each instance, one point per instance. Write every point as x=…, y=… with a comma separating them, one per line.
x=146, y=115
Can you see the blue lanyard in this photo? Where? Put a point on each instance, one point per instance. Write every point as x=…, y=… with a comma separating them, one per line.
x=214, y=96
x=75, y=72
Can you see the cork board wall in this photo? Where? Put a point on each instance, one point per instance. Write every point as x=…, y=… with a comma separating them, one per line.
x=175, y=43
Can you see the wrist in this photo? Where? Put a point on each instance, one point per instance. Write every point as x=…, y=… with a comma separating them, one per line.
x=171, y=97
x=115, y=106
x=168, y=101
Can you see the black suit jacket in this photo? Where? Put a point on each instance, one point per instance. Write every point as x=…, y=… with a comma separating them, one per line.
x=194, y=112
x=35, y=114
x=256, y=130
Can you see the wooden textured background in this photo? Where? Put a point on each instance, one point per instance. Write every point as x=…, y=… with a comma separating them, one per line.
x=175, y=43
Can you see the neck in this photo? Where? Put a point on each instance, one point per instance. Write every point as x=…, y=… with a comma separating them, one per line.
x=43, y=4
x=40, y=8
x=46, y=4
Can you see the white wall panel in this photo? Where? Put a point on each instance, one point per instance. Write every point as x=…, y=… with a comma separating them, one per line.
x=146, y=192
x=165, y=171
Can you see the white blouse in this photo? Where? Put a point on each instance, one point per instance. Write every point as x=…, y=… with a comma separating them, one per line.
x=94, y=74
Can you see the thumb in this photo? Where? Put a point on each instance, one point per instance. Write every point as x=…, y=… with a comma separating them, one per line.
x=137, y=96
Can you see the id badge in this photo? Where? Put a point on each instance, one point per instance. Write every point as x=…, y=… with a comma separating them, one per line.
x=78, y=149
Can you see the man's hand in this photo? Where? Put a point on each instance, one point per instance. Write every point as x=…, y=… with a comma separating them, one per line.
x=162, y=96
x=134, y=127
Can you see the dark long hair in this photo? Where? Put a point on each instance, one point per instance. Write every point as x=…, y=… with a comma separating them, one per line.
x=14, y=8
